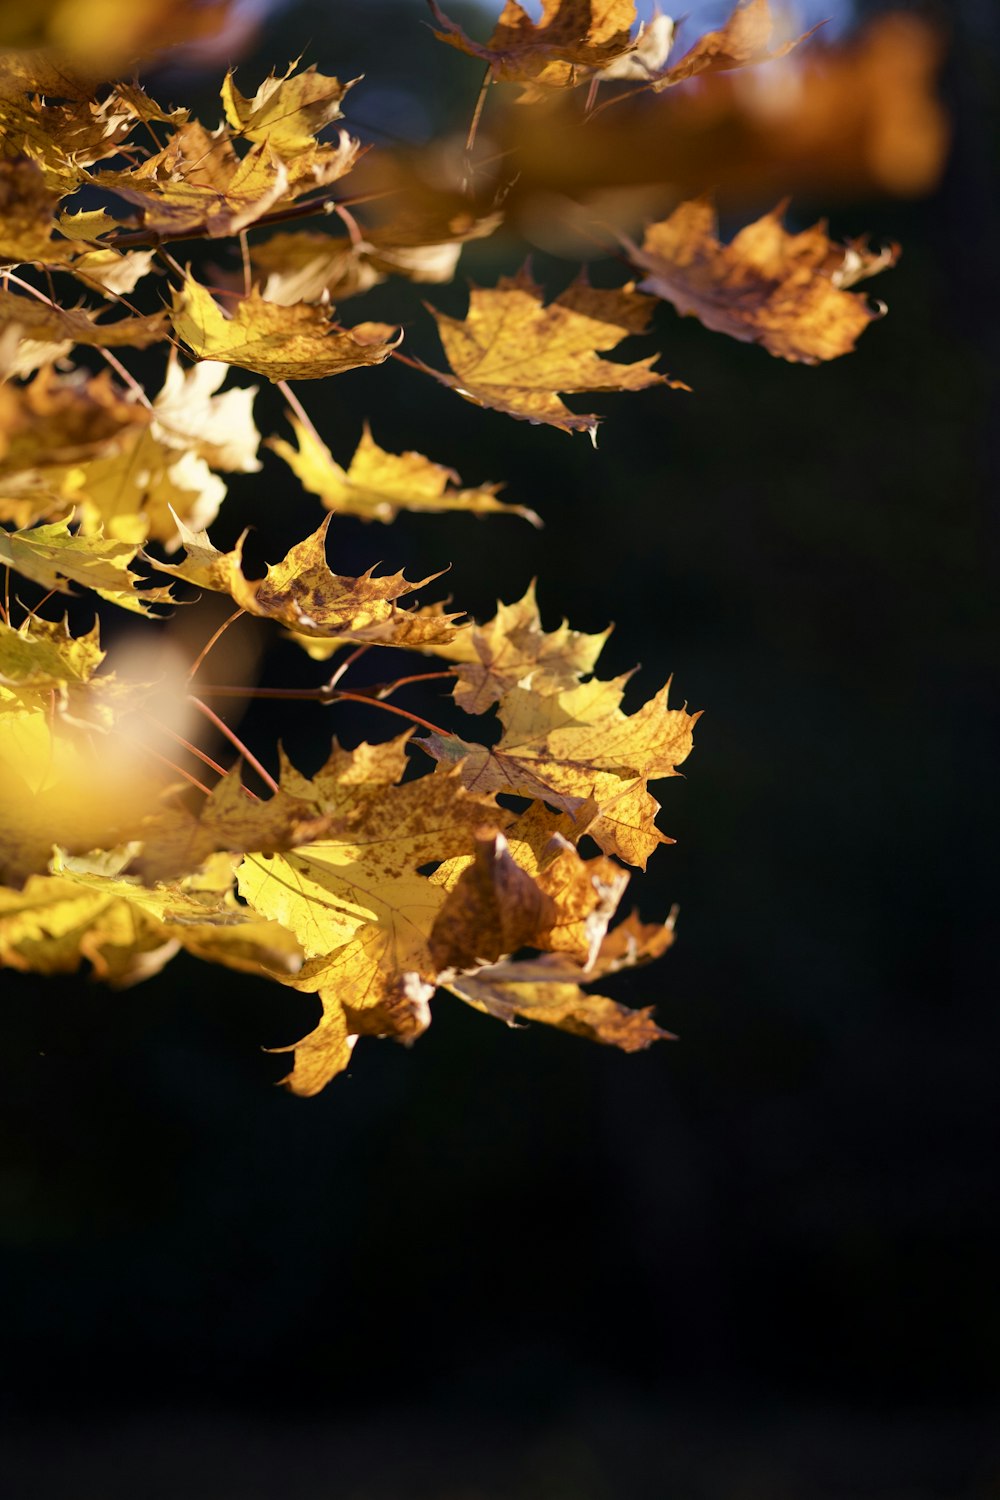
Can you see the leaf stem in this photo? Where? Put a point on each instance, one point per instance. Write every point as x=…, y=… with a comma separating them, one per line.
x=212, y=640
x=235, y=740
x=318, y=695
x=299, y=410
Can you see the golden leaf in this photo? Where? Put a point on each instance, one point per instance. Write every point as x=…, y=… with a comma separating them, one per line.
x=785, y=291
x=572, y=38
x=513, y=648
x=528, y=890
x=54, y=557
x=549, y=989
x=570, y=746
x=176, y=841
x=378, y=485
x=89, y=911
x=57, y=420
x=286, y=112
x=282, y=343
x=113, y=271
x=197, y=185
x=356, y=901
x=42, y=654
x=33, y=333
x=515, y=354
x=302, y=594
x=26, y=210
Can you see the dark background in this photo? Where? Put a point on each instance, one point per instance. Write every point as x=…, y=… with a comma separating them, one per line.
x=760, y=1261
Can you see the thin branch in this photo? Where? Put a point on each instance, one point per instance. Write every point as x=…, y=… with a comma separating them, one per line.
x=321, y=695
x=196, y=752
x=470, y=139
x=235, y=740
x=299, y=410
x=140, y=239
x=211, y=642
x=247, y=271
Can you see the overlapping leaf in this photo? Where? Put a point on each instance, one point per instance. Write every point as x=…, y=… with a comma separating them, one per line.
x=575, y=749
x=571, y=39
x=57, y=557
x=357, y=902
x=282, y=343
x=513, y=648
x=303, y=594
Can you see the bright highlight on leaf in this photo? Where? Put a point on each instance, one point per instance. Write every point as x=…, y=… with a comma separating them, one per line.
x=283, y=343
x=378, y=485
x=516, y=355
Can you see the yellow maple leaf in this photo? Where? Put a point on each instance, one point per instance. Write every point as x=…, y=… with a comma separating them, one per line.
x=176, y=841
x=56, y=420
x=378, y=485
x=785, y=291
x=357, y=902
x=55, y=557
x=282, y=343
x=569, y=747
x=34, y=333
x=570, y=40
x=530, y=889
x=27, y=206
x=286, y=111
x=514, y=354
x=549, y=988
x=88, y=910
x=197, y=185
x=513, y=648
x=60, y=141
x=43, y=655
x=303, y=594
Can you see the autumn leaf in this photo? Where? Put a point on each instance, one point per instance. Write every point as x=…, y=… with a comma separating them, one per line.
x=515, y=354
x=743, y=40
x=572, y=38
x=513, y=648
x=569, y=747
x=302, y=594
x=55, y=557
x=308, y=267
x=89, y=910
x=378, y=485
x=519, y=892
x=549, y=989
x=57, y=420
x=282, y=343
x=27, y=206
x=113, y=272
x=177, y=841
x=356, y=901
x=785, y=291
x=42, y=654
x=198, y=185
x=34, y=333
x=286, y=112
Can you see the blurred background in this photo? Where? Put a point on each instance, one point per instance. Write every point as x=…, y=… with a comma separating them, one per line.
x=509, y=1265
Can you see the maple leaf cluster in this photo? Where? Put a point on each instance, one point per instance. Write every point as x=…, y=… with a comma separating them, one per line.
x=492, y=865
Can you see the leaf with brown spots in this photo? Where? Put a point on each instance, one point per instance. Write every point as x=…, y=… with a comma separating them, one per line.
x=767, y=286
x=516, y=355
